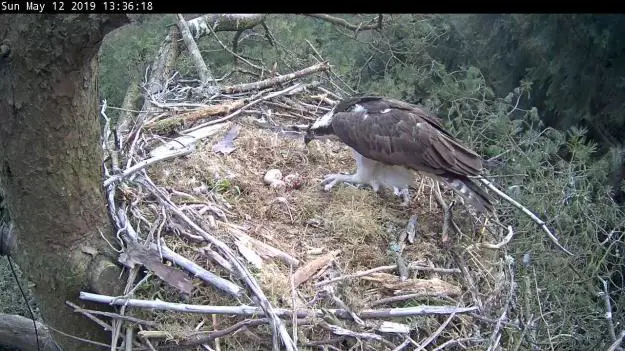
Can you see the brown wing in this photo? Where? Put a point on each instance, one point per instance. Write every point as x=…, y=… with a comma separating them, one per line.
x=378, y=104
x=407, y=137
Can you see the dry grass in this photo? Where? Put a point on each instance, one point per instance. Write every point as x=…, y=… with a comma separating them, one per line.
x=308, y=222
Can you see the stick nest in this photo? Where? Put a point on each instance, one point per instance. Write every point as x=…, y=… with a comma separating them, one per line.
x=338, y=270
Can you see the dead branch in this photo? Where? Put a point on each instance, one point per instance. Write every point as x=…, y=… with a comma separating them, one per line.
x=203, y=71
x=263, y=248
x=197, y=271
x=435, y=334
x=169, y=124
x=310, y=268
x=400, y=298
x=224, y=22
x=335, y=329
x=186, y=142
x=387, y=268
x=112, y=315
x=145, y=163
x=529, y=213
x=345, y=24
x=323, y=66
x=617, y=343
x=249, y=311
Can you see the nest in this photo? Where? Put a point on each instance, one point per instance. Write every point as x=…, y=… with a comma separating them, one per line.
x=232, y=243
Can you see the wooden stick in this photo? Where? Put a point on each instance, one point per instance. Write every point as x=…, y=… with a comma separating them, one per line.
x=145, y=163
x=529, y=213
x=192, y=267
x=323, y=66
x=412, y=266
x=246, y=310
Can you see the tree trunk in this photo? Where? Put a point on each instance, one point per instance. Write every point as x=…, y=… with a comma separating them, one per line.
x=50, y=161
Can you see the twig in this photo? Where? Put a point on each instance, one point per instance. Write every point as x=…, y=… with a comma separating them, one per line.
x=615, y=345
x=203, y=337
x=504, y=315
x=246, y=310
x=398, y=298
x=344, y=23
x=453, y=341
x=411, y=266
x=112, y=315
x=97, y=320
x=529, y=213
x=436, y=333
x=540, y=309
x=293, y=303
x=497, y=246
x=335, y=329
x=210, y=278
x=145, y=163
x=608, y=308
x=323, y=66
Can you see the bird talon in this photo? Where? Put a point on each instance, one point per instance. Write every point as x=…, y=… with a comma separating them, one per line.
x=328, y=178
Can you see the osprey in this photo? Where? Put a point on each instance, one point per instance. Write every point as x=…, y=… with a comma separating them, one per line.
x=391, y=139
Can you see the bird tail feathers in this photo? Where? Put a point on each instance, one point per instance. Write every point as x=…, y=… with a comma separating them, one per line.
x=470, y=192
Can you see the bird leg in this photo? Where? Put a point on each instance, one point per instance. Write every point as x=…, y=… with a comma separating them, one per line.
x=355, y=179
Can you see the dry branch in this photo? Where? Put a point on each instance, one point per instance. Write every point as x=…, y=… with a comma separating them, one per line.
x=203, y=70
x=190, y=266
x=185, y=143
x=145, y=163
x=310, y=268
x=387, y=268
x=344, y=23
x=137, y=254
x=169, y=124
x=287, y=91
x=112, y=315
x=617, y=343
x=323, y=66
x=538, y=221
x=224, y=23
x=244, y=310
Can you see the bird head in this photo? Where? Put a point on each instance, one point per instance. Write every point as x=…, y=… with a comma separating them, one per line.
x=321, y=127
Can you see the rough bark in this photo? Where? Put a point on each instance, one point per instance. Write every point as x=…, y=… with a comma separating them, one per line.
x=18, y=332
x=50, y=162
